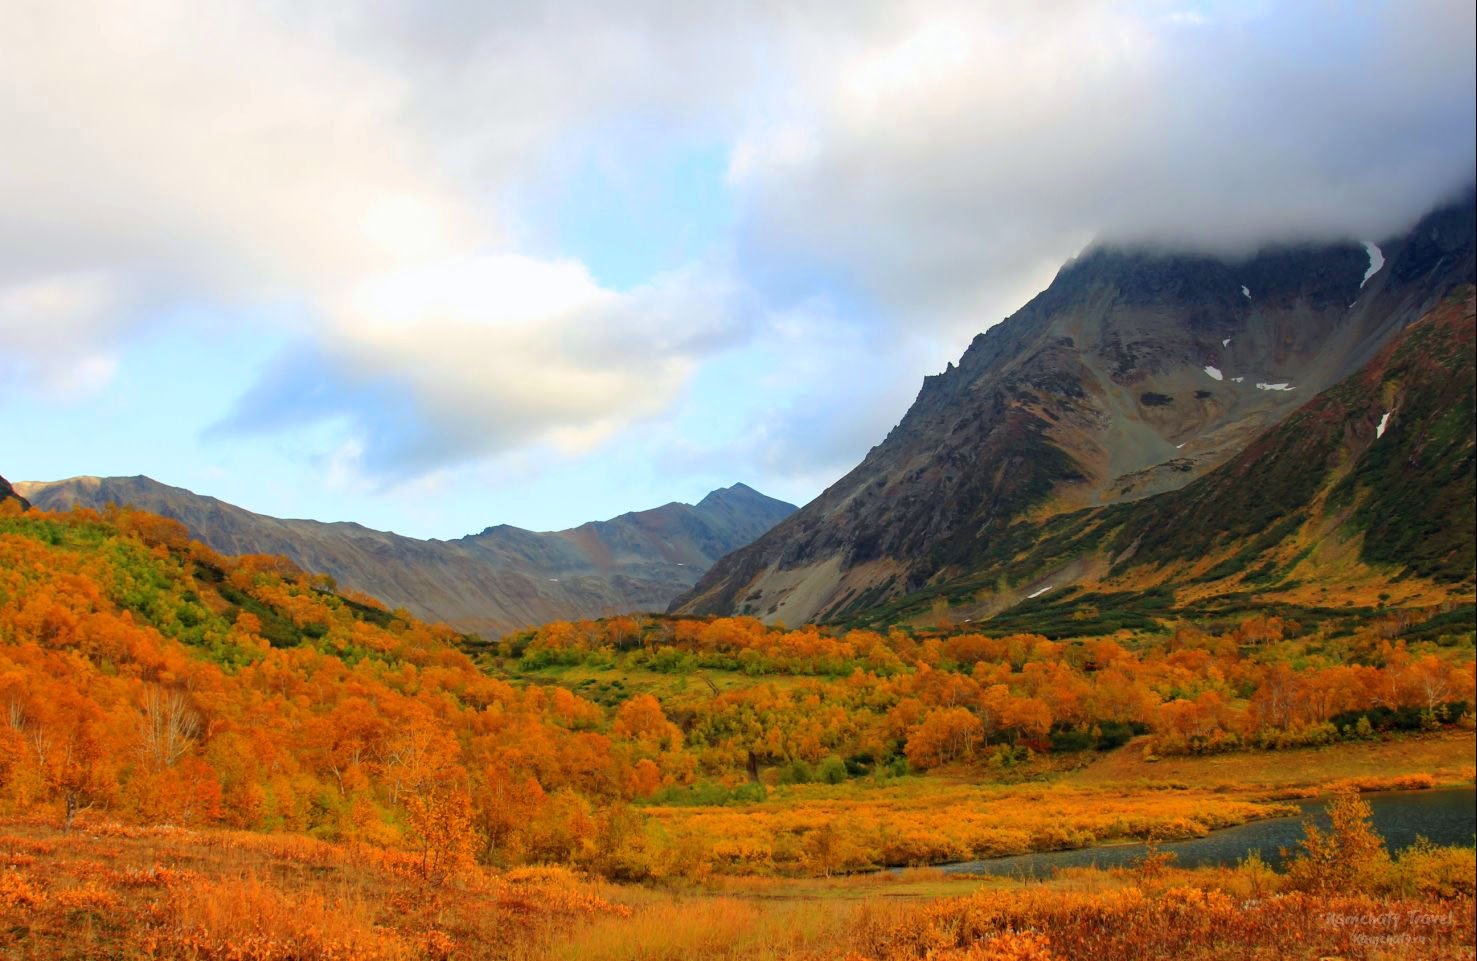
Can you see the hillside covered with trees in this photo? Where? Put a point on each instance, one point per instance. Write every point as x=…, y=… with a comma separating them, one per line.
x=149, y=680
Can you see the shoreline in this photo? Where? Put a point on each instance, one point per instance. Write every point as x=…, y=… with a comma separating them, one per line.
x=1119, y=844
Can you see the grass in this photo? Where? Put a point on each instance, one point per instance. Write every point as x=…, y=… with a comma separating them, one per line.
x=612, y=685
x=1118, y=797
x=1448, y=757
x=110, y=892
x=718, y=928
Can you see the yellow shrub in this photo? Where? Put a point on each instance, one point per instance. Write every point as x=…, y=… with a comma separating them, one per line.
x=89, y=897
x=17, y=892
x=248, y=920
x=1424, y=870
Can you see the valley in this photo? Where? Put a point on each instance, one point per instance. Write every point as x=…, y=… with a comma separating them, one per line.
x=914, y=480
x=1024, y=626
x=185, y=724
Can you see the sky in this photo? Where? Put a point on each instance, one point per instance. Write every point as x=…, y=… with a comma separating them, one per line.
x=434, y=267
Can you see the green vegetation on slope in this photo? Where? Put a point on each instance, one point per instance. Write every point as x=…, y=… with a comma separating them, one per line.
x=1406, y=493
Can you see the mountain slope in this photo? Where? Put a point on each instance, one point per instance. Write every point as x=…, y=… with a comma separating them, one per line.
x=1133, y=374
x=1364, y=494
x=1389, y=450
x=491, y=582
x=8, y=493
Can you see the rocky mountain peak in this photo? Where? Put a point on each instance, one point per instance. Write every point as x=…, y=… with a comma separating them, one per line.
x=1136, y=371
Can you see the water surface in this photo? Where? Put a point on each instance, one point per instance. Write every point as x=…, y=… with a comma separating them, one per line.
x=1444, y=816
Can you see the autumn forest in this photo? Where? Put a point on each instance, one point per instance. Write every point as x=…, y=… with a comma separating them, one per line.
x=175, y=717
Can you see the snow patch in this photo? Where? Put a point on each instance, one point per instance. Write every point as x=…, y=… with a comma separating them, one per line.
x=1178, y=446
x=1039, y=593
x=1376, y=261
x=1226, y=342
x=1275, y=387
x=1237, y=380
x=1384, y=422
x=1214, y=372
x=1245, y=293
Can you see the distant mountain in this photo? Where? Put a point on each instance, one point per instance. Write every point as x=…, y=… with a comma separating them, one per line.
x=1135, y=373
x=500, y=579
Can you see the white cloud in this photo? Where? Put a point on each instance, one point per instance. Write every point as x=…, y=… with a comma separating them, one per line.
x=54, y=328
x=351, y=163
x=462, y=359
x=946, y=159
x=225, y=150
x=55, y=309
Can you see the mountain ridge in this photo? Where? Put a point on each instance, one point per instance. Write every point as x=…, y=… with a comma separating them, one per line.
x=1132, y=374
x=489, y=582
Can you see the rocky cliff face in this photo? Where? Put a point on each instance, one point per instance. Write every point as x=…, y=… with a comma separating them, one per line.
x=1387, y=455
x=500, y=579
x=1363, y=495
x=1134, y=373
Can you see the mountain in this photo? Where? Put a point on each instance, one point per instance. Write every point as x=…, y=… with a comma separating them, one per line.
x=503, y=578
x=8, y=493
x=1362, y=499
x=1133, y=374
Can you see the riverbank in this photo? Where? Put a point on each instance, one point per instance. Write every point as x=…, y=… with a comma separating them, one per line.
x=959, y=815
x=1446, y=758
x=133, y=893
x=182, y=895
x=1442, y=816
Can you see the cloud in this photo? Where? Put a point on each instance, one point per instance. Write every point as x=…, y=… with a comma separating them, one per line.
x=56, y=328
x=801, y=405
x=348, y=167
x=461, y=359
x=226, y=153
x=978, y=144
x=351, y=171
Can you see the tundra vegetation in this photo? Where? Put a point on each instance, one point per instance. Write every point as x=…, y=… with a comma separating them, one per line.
x=223, y=757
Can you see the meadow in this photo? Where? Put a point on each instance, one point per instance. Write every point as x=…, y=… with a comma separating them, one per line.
x=133, y=893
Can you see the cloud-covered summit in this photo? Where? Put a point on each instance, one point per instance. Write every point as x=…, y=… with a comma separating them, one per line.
x=975, y=145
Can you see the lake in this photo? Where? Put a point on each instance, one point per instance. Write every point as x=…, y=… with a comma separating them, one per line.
x=1444, y=816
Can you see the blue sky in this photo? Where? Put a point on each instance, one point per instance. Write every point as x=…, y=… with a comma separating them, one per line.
x=540, y=264
x=632, y=213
